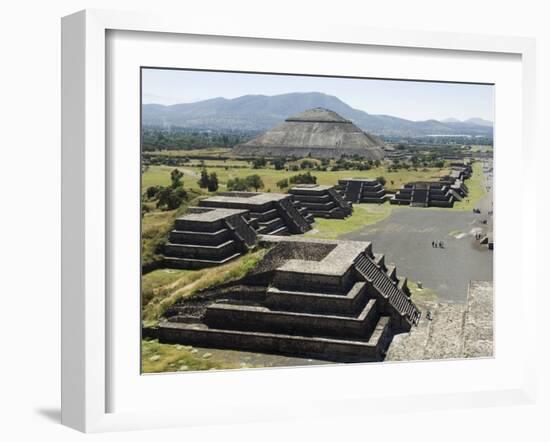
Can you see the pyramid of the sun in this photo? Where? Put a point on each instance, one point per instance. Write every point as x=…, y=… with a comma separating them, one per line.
x=319, y=133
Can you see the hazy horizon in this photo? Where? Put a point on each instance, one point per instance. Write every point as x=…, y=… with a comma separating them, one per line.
x=408, y=99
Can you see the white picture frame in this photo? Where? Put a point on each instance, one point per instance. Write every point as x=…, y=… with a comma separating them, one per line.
x=85, y=215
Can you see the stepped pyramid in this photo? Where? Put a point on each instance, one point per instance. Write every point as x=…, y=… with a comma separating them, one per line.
x=427, y=194
x=270, y=213
x=331, y=300
x=362, y=190
x=207, y=237
x=321, y=201
x=318, y=133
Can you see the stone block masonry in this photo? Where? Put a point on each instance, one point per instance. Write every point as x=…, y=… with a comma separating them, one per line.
x=207, y=237
x=270, y=213
x=330, y=300
x=362, y=190
x=321, y=201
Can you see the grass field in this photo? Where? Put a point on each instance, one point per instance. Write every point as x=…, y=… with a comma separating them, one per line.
x=158, y=358
x=164, y=287
x=160, y=175
x=363, y=215
x=476, y=189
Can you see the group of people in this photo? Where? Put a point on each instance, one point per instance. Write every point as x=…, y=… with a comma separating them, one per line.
x=438, y=244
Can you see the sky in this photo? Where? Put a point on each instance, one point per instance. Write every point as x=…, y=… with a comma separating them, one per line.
x=412, y=100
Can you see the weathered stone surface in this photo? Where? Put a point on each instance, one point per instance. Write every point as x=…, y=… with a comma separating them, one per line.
x=324, y=299
x=319, y=133
x=455, y=331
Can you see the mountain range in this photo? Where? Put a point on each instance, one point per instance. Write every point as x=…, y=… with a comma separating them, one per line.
x=262, y=112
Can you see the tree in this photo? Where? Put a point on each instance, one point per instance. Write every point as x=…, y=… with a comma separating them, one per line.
x=176, y=177
x=381, y=180
x=303, y=178
x=238, y=184
x=258, y=163
x=282, y=184
x=152, y=192
x=278, y=163
x=255, y=181
x=203, y=181
x=170, y=198
x=213, y=182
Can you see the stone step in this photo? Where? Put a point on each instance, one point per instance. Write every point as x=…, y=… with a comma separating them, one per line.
x=319, y=205
x=265, y=216
x=260, y=318
x=309, y=302
x=281, y=231
x=335, y=213
x=392, y=272
x=204, y=238
x=330, y=349
x=192, y=264
x=197, y=251
x=272, y=224
x=198, y=226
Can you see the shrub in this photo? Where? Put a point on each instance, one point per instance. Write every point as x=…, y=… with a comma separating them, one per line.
x=213, y=182
x=303, y=178
x=278, y=163
x=258, y=163
x=170, y=198
x=282, y=184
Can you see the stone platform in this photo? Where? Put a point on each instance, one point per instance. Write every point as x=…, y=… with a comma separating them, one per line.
x=362, y=190
x=321, y=201
x=426, y=194
x=270, y=213
x=207, y=237
x=329, y=300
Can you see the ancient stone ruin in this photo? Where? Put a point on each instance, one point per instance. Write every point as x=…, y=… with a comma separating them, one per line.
x=425, y=194
x=317, y=133
x=330, y=300
x=362, y=190
x=442, y=193
x=321, y=201
x=270, y=213
x=207, y=237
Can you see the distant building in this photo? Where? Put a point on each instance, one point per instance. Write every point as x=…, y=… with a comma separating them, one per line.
x=318, y=133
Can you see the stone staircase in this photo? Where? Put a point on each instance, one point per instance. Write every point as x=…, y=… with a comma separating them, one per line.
x=420, y=197
x=353, y=190
x=387, y=288
x=342, y=307
x=270, y=213
x=292, y=216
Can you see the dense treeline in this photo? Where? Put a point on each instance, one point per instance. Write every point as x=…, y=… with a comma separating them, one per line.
x=178, y=139
x=441, y=140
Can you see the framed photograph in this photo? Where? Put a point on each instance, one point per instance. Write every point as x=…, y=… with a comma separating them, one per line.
x=276, y=222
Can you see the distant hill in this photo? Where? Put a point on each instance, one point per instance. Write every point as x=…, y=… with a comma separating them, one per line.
x=474, y=121
x=261, y=112
x=479, y=121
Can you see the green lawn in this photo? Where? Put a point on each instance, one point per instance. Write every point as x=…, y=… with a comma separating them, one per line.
x=160, y=175
x=158, y=358
x=363, y=215
x=162, y=288
x=476, y=189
